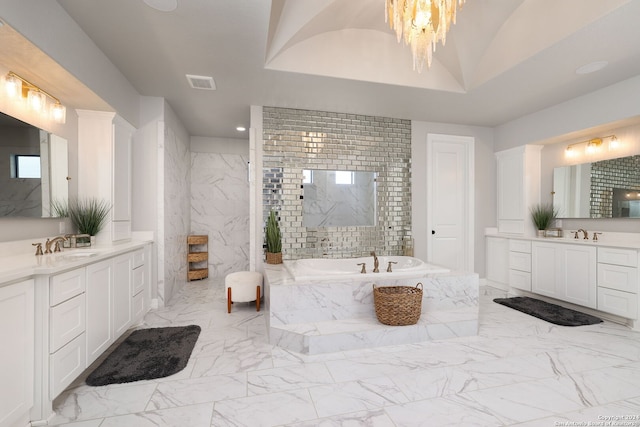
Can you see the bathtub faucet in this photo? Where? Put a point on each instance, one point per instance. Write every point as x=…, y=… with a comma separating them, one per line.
x=389, y=270
x=376, y=264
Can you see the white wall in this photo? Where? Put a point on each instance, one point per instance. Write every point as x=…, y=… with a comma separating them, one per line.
x=145, y=177
x=47, y=25
x=485, y=184
x=600, y=108
x=201, y=144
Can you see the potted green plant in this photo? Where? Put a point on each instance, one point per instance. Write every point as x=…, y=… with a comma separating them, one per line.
x=88, y=214
x=543, y=215
x=273, y=240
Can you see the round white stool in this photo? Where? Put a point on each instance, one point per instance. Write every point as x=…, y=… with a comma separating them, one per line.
x=243, y=286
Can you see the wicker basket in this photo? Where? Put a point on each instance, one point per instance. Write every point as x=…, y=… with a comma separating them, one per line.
x=398, y=305
x=274, y=258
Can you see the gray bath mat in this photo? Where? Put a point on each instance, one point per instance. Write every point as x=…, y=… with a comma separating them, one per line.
x=147, y=354
x=549, y=312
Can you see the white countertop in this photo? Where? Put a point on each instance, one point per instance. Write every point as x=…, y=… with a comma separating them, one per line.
x=606, y=239
x=23, y=266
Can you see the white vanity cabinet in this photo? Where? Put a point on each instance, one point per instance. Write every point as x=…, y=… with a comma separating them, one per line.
x=564, y=271
x=17, y=333
x=139, y=281
x=520, y=264
x=58, y=314
x=618, y=281
x=122, y=275
x=67, y=324
x=109, y=302
x=99, y=309
x=498, y=260
x=518, y=188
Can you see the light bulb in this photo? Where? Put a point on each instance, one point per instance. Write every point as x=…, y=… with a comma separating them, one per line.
x=570, y=152
x=58, y=113
x=13, y=86
x=36, y=100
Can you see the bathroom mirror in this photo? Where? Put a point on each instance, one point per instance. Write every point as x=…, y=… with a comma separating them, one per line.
x=603, y=189
x=338, y=198
x=33, y=169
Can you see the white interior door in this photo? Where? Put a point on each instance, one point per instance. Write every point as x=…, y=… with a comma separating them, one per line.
x=450, y=192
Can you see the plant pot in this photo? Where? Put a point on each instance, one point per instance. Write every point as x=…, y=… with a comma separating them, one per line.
x=540, y=233
x=274, y=258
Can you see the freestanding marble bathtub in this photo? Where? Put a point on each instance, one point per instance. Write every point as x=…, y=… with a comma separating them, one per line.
x=320, y=306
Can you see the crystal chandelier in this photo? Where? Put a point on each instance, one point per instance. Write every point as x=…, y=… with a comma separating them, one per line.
x=422, y=24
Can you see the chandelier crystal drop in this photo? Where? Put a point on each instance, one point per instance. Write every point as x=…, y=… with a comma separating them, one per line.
x=422, y=24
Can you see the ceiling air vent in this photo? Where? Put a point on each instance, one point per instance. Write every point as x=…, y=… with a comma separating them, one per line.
x=201, y=82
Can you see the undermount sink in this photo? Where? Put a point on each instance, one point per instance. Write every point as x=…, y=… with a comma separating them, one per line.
x=79, y=255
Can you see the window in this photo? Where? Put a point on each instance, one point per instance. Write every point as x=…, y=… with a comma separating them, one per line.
x=26, y=166
x=344, y=177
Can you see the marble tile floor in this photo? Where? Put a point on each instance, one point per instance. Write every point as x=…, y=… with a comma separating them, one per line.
x=518, y=371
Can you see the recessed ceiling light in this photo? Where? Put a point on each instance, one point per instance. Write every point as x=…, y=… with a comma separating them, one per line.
x=162, y=5
x=241, y=128
x=592, y=67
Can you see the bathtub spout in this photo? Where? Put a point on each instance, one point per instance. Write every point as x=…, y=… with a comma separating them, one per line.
x=376, y=264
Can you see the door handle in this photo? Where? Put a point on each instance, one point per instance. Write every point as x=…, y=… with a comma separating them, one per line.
x=433, y=231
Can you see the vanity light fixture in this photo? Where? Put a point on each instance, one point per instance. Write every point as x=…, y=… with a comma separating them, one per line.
x=19, y=88
x=241, y=128
x=592, y=145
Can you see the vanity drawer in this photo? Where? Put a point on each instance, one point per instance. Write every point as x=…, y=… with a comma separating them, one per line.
x=66, y=285
x=138, y=280
x=619, y=303
x=67, y=321
x=138, y=258
x=520, y=280
x=618, y=277
x=137, y=307
x=66, y=365
x=520, y=246
x=628, y=257
x=520, y=261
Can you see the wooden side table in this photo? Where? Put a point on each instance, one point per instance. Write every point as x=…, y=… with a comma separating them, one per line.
x=198, y=254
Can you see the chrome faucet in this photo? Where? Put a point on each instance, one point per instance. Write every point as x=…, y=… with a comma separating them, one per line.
x=586, y=234
x=376, y=264
x=363, y=270
x=55, y=240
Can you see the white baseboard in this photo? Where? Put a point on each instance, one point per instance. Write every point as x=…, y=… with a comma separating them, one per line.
x=497, y=285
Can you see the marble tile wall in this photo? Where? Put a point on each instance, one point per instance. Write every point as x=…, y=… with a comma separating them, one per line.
x=176, y=213
x=220, y=209
x=294, y=140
